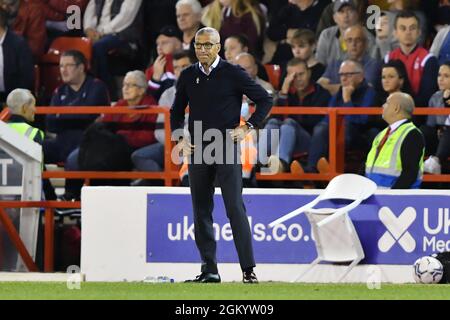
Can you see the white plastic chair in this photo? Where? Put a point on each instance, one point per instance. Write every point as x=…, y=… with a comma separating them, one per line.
x=332, y=230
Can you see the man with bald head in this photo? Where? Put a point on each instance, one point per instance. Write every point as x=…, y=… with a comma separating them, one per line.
x=214, y=90
x=248, y=62
x=396, y=158
x=353, y=92
x=356, y=41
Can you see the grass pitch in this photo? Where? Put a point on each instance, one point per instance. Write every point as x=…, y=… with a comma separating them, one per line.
x=223, y=291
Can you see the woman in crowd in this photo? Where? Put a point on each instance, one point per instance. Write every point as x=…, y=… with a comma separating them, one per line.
x=440, y=124
x=233, y=17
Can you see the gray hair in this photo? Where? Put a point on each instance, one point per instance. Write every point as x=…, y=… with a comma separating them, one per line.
x=406, y=103
x=139, y=76
x=194, y=4
x=211, y=31
x=17, y=99
x=358, y=66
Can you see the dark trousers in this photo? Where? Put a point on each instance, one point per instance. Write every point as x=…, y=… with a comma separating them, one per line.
x=229, y=178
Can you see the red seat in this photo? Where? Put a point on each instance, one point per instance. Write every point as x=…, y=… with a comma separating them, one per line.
x=274, y=74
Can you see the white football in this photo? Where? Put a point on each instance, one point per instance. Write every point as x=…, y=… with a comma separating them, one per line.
x=428, y=270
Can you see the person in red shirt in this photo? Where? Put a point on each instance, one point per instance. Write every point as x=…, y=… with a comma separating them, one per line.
x=27, y=19
x=138, y=129
x=421, y=66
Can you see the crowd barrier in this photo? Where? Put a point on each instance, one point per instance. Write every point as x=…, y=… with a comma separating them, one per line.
x=170, y=173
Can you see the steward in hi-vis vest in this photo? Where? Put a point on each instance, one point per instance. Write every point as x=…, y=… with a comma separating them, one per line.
x=396, y=158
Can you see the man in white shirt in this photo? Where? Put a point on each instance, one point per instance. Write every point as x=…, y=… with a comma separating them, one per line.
x=112, y=25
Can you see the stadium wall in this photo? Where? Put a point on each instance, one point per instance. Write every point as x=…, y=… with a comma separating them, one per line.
x=131, y=233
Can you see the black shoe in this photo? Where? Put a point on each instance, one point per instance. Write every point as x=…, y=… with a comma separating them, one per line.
x=249, y=277
x=206, y=277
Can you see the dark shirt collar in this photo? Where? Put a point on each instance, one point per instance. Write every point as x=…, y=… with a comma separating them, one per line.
x=15, y=118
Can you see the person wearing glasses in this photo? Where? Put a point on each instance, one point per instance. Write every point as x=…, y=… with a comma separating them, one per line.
x=64, y=131
x=356, y=42
x=214, y=90
x=354, y=92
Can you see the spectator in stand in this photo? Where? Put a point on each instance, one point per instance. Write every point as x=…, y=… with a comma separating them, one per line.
x=65, y=131
x=441, y=45
x=297, y=14
x=295, y=130
x=137, y=129
x=331, y=44
x=386, y=41
x=395, y=160
x=237, y=44
x=303, y=46
x=248, y=62
x=440, y=124
x=233, y=17
x=189, y=14
x=151, y=157
x=356, y=43
x=16, y=61
x=354, y=92
x=27, y=19
x=421, y=66
x=112, y=25
x=394, y=78
x=443, y=15
x=56, y=16
x=327, y=18
x=160, y=75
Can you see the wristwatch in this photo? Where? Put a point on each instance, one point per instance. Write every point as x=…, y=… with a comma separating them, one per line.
x=249, y=125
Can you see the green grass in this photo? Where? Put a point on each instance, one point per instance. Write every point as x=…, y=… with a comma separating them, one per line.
x=223, y=291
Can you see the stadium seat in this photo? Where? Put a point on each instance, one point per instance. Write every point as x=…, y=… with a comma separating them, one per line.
x=61, y=44
x=333, y=232
x=274, y=74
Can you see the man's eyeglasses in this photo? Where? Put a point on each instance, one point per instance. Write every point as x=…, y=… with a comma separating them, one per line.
x=348, y=74
x=68, y=65
x=206, y=45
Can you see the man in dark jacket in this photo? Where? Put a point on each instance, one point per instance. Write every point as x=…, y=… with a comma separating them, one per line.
x=16, y=61
x=295, y=130
x=79, y=89
x=354, y=92
x=214, y=90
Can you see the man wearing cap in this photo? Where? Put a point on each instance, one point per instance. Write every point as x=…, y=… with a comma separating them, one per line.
x=112, y=25
x=331, y=44
x=160, y=75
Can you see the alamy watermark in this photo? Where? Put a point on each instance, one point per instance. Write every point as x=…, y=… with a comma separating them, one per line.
x=74, y=17
x=74, y=280
x=212, y=146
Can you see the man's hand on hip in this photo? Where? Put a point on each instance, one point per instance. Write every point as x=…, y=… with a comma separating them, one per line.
x=238, y=134
x=185, y=148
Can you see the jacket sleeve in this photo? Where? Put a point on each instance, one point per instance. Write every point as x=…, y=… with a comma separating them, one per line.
x=257, y=94
x=25, y=66
x=179, y=105
x=411, y=152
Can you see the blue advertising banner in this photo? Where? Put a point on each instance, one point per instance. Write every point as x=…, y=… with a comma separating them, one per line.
x=393, y=229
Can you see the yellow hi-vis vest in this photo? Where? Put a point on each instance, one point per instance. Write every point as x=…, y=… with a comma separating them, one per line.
x=385, y=168
x=28, y=131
